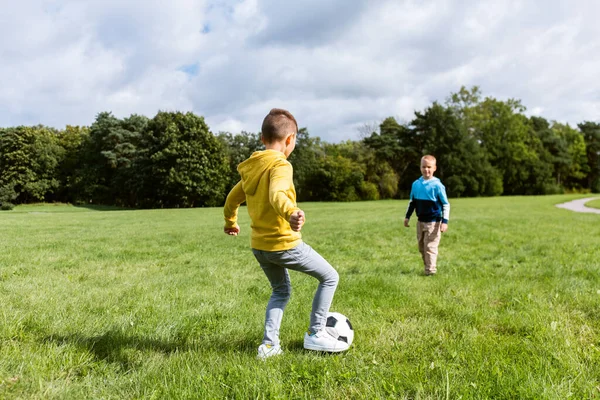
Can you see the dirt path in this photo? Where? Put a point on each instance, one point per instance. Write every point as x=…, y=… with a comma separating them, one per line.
x=579, y=206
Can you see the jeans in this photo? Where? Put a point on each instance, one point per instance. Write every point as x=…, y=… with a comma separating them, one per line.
x=301, y=258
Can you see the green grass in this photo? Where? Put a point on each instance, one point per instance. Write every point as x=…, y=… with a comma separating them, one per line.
x=160, y=304
x=593, y=203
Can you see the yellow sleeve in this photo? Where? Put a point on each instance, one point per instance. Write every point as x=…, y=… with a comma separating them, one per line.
x=281, y=190
x=235, y=197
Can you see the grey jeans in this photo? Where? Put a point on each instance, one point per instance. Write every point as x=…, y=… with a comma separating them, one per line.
x=301, y=258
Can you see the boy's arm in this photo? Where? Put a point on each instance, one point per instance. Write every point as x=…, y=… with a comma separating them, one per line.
x=442, y=198
x=445, y=204
x=230, y=211
x=281, y=180
x=445, y=213
x=409, y=209
x=411, y=204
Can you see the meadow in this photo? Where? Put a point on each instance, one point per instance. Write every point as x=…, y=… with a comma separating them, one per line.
x=99, y=303
x=594, y=203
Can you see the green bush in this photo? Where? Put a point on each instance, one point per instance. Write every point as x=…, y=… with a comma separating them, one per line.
x=553, y=188
x=7, y=206
x=7, y=195
x=368, y=191
x=595, y=188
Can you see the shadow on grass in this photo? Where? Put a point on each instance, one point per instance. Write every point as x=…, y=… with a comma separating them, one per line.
x=98, y=207
x=124, y=350
x=63, y=208
x=115, y=347
x=297, y=346
x=409, y=271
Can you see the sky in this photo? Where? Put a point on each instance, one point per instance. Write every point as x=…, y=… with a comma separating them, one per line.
x=340, y=66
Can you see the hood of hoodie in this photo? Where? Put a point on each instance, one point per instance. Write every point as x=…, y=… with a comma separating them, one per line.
x=252, y=170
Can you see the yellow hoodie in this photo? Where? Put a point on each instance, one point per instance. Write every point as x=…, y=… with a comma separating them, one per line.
x=267, y=187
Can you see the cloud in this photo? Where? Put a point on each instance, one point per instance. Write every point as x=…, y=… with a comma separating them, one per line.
x=306, y=23
x=337, y=65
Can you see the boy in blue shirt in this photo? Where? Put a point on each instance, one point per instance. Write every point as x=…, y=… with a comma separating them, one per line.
x=428, y=198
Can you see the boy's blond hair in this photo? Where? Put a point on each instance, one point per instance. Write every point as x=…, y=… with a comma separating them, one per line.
x=429, y=158
x=277, y=125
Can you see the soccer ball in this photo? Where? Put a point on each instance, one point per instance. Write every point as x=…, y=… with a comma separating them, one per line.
x=339, y=326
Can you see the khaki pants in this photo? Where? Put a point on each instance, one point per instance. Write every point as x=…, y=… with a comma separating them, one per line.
x=428, y=237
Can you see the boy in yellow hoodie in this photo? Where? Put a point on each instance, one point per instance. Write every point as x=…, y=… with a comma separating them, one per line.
x=267, y=187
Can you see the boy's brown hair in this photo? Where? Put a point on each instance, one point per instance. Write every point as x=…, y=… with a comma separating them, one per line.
x=278, y=124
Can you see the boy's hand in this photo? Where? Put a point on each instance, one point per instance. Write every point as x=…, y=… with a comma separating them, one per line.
x=232, y=231
x=443, y=228
x=297, y=220
x=406, y=222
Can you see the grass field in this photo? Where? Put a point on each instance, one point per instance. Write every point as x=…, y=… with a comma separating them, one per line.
x=593, y=203
x=160, y=304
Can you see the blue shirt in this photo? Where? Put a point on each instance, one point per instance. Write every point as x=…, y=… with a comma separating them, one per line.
x=428, y=198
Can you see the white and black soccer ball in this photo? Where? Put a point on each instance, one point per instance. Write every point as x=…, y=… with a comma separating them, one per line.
x=339, y=326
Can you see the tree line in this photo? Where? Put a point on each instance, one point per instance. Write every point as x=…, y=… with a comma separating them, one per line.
x=484, y=147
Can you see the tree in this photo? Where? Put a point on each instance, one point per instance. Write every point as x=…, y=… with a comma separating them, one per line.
x=186, y=165
x=29, y=158
x=111, y=158
x=336, y=178
x=553, y=152
x=238, y=148
x=7, y=197
x=507, y=138
x=463, y=165
x=591, y=136
x=380, y=180
x=306, y=159
x=71, y=139
x=576, y=168
x=464, y=105
x=564, y=149
x=400, y=148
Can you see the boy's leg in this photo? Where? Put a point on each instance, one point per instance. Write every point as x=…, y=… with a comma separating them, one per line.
x=421, y=239
x=431, y=240
x=304, y=259
x=280, y=295
x=316, y=266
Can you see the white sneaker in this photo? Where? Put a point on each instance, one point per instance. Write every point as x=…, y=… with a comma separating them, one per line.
x=268, y=350
x=323, y=341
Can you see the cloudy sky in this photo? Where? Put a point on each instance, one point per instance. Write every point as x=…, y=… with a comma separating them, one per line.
x=337, y=65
